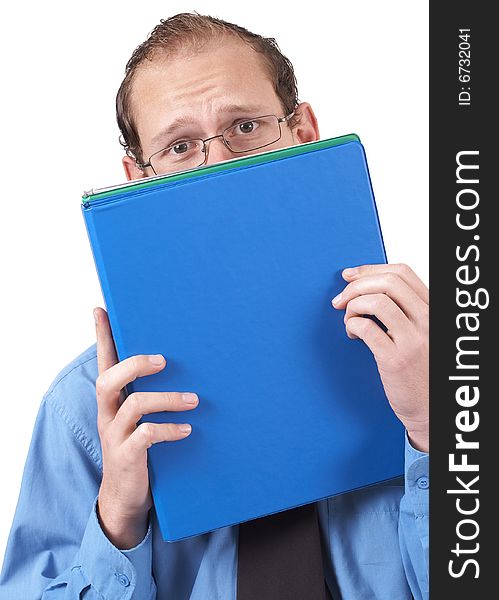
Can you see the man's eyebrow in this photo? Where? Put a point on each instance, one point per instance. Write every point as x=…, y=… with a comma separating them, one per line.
x=252, y=110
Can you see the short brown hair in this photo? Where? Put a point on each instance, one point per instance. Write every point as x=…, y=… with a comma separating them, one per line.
x=186, y=30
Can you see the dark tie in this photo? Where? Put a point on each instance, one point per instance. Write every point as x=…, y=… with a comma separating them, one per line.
x=280, y=557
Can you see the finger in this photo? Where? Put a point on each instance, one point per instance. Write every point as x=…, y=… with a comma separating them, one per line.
x=375, y=338
x=402, y=270
x=110, y=382
x=385, y=283
x=106, y=352
x=139, y=404
x=384, y=309
x=147, y=434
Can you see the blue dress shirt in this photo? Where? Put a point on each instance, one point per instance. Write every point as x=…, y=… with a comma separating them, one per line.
x=376, y=539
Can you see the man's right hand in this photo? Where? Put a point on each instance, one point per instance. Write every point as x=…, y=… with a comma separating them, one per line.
x=124, y=497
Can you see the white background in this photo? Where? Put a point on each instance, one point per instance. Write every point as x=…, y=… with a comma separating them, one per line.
x=363, y=66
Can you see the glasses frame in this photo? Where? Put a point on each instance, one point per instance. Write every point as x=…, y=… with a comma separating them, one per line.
x=220, y=135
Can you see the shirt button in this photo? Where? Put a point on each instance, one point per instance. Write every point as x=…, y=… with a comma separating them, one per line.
x=123, y=579
x=423, y=483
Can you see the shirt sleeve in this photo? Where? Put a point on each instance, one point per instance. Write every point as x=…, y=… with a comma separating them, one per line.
x=414, y=521
x=56, y=548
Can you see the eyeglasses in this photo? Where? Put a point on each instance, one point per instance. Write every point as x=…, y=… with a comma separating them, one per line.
x=245, y=136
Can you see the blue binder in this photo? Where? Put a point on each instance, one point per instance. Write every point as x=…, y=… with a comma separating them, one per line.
x=229, y=271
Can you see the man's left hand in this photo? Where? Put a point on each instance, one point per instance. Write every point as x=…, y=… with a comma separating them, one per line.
x=396, y=296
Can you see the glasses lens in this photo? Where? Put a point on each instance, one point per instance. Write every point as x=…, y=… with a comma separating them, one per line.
x=252, y=134
x=181, y=156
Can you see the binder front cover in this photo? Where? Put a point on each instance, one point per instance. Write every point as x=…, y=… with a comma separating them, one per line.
x=230, y=274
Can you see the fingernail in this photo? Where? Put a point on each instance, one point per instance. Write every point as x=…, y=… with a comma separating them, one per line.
x=336, y=299
x=156, y=359
x=189, y=398
x=185, y=428
x=95, y=316
x=350, y=272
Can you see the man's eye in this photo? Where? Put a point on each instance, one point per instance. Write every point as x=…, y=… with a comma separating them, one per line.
x=247, y=126
x=180, y=148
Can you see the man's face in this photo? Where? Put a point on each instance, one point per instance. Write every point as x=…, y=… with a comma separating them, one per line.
x=208, y=91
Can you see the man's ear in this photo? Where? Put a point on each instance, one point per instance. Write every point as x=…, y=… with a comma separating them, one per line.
x=132, y=171
x=307, y=128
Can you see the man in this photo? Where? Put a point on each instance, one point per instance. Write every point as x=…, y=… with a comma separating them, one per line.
x=85, y=525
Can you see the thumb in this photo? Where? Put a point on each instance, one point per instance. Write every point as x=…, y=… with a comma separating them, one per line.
x=106, y=351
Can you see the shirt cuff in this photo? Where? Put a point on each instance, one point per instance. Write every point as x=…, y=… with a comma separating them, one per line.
x=114, y=573
x=417, y=479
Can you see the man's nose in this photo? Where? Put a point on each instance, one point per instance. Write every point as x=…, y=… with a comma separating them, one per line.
x=217, y=151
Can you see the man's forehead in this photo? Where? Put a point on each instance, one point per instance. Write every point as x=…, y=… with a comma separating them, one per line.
x=235, y=60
